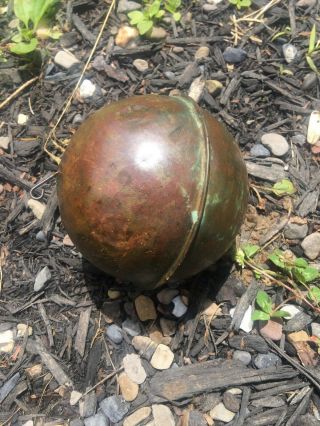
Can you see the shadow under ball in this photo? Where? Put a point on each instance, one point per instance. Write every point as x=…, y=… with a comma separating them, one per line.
x=152, y=188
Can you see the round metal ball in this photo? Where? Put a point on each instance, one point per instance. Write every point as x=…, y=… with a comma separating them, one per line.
x=152, y=188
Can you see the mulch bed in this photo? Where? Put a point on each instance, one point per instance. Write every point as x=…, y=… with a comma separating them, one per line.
x=68, y=347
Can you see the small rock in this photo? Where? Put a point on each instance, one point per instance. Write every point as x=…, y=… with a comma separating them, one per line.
x=43, y=276
x=272, y=330
x=231, y=402
x=214, y=86
x=177, y=49
x=140, y=65
x=258, y=150
x=4, y=142
x=22, y=119
x=28, y=423
x=166, y=295
x=242, y=356
x=315, y=329
x=145, y=308
x=306, y=3
x=309, y=81
x=34, y=372
x=168, y=327
x=77, y=119
x=68, y=39
x=157, y=33
x=162, y=358
x=179, y=307
x=86, y=89
x=114, y=407
x=22, y=328
x=193, y=418
x=137, y=417
x=292, y=310
x=145, y=346
x=277, y=143
x=65, y=59
x=196, y=89
x=209, y=7
x=36, y=207
x=131, y=327
x=88, y=405
x=299, y=139
x=114, y=294
x=41, y=237
x=295, y=231
x=156, y=335
x=75, y=397
x=234, y=55
x=235, y=391
x=311, y=245
x=221, y=413
x=202, y=52
x=298, y=322
x=133, y=367
x=67, y=241
x=114, y=332
x=97, y=420
x=246, y=323
x=127, y=6
x=162, y=415
x=289, y=52
x=128, y=388
x=266, y=360
x=298, y=336
x=6, y=341
x=125, y=35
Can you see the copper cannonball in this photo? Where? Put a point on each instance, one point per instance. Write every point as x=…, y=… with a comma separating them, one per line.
x=152, y=188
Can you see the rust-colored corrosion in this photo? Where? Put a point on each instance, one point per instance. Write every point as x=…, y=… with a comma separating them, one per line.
x=152, y=188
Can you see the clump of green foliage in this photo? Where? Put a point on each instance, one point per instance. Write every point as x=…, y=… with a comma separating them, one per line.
x=313, y=49
x=266, y=310
x=152, y=12
x=240, y=3
x=30, y=14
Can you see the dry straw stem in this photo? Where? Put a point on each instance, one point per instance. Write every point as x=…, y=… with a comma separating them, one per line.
x=51, y=135
x=17, y=91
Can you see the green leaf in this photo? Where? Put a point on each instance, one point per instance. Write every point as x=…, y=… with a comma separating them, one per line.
x=24, y=48
x=276, y=258
x=233, y=2
x=245, y=3
x=314, y=294
x=144, y=26
x=39, y=9
x=264, y=301
x=300, y=263
x=239, y=257
x=17, y=38
x=312, y=39
x=259, y=315
x=177, y=16
x=305, y=275
x=23, y=10
x=280, y=314
x=135, y=17
x=284, y=187
x=154, y=8
x=250, y=250
x=160, y=14
x=312, y=64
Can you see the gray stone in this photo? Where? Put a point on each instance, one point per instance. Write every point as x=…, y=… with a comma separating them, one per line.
x=77, y=119
x=298, y=322
x=270, y=171
x=289, y=52
x=209, y=7
x=309, y=81
x=115, y=408
x=42, y=278
x=127, y=6
x=315, y=328
x=306, y=3
x=88, y=405
x=242, y=356
x=299, y=139
x=311, y=245
x=296, y=231
x=140, y=65
x=259, y=150
x=41, y=237
x=166, y=295
x=179, y=307
x=276, y=143
x=157, y=33
x=267, y=360
x=65, y=59
x=97, y=420
x=234, y=55
x=114, y=332
x=131, y=327
x=196, y=419
x=4, y=142
x=231, y=401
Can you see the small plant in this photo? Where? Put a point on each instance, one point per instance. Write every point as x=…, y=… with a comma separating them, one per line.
x=144, y=20
x=30, y=14
x=266, y=310
x=284, y=187
x=240, y=3
x=314, y=47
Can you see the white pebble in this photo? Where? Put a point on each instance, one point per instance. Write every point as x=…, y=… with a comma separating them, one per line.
x=179, y=307
x=22, y=119
x=87, y=89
